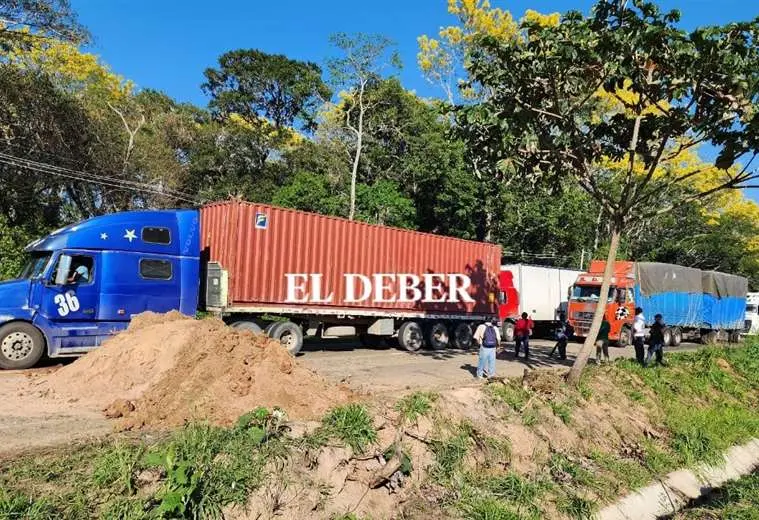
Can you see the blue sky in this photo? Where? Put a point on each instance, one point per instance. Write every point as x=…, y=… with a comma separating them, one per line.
x=167, y=44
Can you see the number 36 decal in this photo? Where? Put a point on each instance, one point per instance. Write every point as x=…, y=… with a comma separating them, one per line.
x=67, y=303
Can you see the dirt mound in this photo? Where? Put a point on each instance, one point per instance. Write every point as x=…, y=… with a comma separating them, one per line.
x=173, y=369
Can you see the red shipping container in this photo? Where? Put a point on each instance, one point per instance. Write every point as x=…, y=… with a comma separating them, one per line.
x=258, y=245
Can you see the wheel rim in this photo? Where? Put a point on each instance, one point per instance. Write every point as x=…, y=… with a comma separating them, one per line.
x=288, y=340
x=413, y=338
x=17, y=346
x=463, y=336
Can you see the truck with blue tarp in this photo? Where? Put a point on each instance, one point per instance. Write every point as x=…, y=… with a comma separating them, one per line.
x=695, y=304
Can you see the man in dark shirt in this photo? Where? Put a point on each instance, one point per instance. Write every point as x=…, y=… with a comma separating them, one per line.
x=656, y=340
x=602, y=341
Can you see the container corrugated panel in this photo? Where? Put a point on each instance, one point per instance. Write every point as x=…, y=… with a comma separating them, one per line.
x=259, y=244
x=724, y=313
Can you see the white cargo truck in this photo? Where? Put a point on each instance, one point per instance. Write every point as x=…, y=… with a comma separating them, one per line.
x=543, y=293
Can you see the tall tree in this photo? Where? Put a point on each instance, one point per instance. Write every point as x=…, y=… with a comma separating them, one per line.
x=24, y=20
x=254, y=85
x=363, y=59
x=610, y=101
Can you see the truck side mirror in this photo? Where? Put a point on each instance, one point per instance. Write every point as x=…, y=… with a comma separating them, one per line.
x=64, y=266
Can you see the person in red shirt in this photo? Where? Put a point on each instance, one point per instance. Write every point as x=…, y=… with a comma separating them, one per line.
x=522, y=332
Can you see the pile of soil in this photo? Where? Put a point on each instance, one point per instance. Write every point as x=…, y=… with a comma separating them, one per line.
x=165, y=370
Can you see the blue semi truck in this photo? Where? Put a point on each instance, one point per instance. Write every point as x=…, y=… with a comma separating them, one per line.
x=82, y=283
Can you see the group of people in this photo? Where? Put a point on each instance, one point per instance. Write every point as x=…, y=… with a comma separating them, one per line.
x=488, y=337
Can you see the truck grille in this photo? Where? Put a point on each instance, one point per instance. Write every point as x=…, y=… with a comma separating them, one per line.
x=582, y=327
x=585, y=316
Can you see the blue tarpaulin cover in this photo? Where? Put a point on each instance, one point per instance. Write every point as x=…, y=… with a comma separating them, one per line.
x=688, y=297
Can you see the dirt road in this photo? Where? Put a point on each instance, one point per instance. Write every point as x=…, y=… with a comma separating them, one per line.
x=382, y=369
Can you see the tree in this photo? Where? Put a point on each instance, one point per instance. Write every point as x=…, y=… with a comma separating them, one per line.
x=25, y=20
x=610, y=102
x=364, y=57
x=254, y=84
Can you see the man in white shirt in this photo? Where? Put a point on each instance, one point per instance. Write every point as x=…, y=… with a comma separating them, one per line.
x=488, y=336
x=639, y=335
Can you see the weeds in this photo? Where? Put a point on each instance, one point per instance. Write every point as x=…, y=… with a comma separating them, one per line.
x=352, y=424
x=450, y=452
x=530, y=416
x=415, y=405
x=486, y=508
x=577, y=507
x=562, y=411
x=509, y=393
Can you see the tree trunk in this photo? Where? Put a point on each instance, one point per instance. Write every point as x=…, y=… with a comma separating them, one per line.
x=354, y=174
x=590, y=341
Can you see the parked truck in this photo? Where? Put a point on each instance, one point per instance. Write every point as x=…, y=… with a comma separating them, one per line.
x=259, y=267
x=752, y=314
x=695, y=304
x=540, y=291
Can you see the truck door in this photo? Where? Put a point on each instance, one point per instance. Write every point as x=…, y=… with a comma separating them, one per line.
x=69, y=299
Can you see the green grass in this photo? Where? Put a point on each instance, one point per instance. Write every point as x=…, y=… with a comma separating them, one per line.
x=487, y=508
x=530, y=416
x=738, y=500
x=627, y=475
x=450, y=452
x=577, y=507
x=351, y=424
x=562, y=411
x=200, y=469
x=415, y=405
x=509, y=393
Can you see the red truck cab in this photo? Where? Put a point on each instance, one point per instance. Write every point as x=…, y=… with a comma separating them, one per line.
x=508, y=304
x=620, y=305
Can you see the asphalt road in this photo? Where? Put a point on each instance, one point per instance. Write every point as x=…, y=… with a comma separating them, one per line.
x=391, y=369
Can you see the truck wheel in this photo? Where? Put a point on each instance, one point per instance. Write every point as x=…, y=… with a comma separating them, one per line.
x=289, y=335
x=734, y=337
x=709, y=337
x=507, y=332
x=667, y=337
x=21, y=345
x=677, y=337
x=437, y=336
x=410, y=336
x=625, y=337
x=247, y=325
x=462, y=336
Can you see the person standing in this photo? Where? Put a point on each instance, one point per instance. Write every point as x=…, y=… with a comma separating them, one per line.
x=562, y=336
x=602, y=341
x=522, y=332
x=488, y=336
x=639, y=335
x=656, y=340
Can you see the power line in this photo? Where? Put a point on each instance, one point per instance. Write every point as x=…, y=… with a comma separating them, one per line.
x=19, y=162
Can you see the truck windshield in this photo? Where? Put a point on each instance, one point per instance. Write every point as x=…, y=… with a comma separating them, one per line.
x=584, y=293
x=35, y=265
x=752, y=309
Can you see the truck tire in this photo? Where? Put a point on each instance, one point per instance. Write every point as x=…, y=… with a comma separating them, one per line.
x=437, y=336
x=410, y=336
x=625, y=337
x=709, y=337
x=667, y=334
x=21, y=345
x=289, y=335
x=247, y=325
x=734, y=336
x=507, y=332
x=677, y=337
x=462, y=336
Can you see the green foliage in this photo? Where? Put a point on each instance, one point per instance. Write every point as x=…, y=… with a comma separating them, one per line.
x=255, y=85
x=450, y=452
x=510, y=393
x=115, y=468
x=530, y=416
x=737, y=500
x=487, y=509
x=414, y=405
x=562, y=411
x=14, y=505
x=352, y=424
x=577, y=507
x=311, y=192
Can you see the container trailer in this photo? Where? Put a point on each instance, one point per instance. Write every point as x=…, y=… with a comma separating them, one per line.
x=695, y=304
x=262, y=268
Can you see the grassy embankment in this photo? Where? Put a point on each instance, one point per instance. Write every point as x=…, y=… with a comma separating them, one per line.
x=518, y=451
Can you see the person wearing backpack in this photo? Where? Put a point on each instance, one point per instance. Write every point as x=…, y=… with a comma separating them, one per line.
x=656, y=340
x=488, y=336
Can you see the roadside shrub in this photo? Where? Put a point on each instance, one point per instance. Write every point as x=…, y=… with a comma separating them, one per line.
x=415, y=405
x=352, y=424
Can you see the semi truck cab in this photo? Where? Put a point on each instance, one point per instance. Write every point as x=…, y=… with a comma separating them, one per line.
x=620, y=301
x=752, y=313
x=83, y=283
